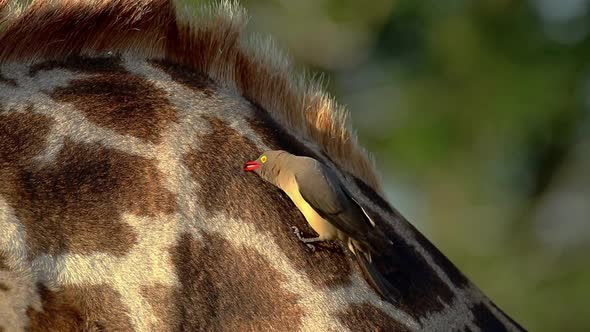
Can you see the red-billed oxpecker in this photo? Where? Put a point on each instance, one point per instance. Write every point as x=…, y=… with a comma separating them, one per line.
x=328, y=207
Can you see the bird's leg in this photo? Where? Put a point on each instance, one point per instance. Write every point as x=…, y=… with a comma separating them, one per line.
x=307, y=241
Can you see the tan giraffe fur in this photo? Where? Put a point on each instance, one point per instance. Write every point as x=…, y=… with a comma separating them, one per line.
x=123, y=128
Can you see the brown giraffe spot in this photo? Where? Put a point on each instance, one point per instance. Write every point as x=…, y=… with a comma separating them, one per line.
x=225, y=188
x=85, y=65
x=121, y=101
x=3, y=265
x=22, y=136
x=193, y=80
x=365, y=317
x=230, y=288
x=75, y=204
x=7, y=81
x=75, y=308
x=163, y=300
x=3, y=287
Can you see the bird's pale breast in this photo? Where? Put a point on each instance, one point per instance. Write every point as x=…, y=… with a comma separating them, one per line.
x=325, y=230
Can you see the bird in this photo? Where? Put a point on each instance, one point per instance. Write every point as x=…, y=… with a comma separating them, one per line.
x=329, y=208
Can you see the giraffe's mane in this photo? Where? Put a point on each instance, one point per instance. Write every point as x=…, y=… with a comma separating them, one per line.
x=208, y=40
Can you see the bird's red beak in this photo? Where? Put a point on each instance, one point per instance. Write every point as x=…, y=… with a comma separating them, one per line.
x=249, y=166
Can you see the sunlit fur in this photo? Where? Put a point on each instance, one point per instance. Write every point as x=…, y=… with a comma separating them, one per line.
x=123, y=203
x=208, y=40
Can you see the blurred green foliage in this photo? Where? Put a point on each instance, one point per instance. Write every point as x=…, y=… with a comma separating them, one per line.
x=478, y=114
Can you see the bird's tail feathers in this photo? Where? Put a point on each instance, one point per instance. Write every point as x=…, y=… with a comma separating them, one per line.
x=375, y=278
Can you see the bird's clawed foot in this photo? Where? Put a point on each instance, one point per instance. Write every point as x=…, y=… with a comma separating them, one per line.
x=306, y=241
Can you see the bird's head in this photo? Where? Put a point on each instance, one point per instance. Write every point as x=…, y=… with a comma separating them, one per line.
x=266, y=164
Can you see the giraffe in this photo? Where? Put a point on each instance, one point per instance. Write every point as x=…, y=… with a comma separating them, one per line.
x=124, y=125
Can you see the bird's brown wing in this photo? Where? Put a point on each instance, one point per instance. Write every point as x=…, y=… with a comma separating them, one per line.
x=322, y=190
x=325, y=193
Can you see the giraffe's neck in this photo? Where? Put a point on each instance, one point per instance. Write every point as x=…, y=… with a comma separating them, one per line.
x=123, y=205
x=175, y=174
x=432, y=289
